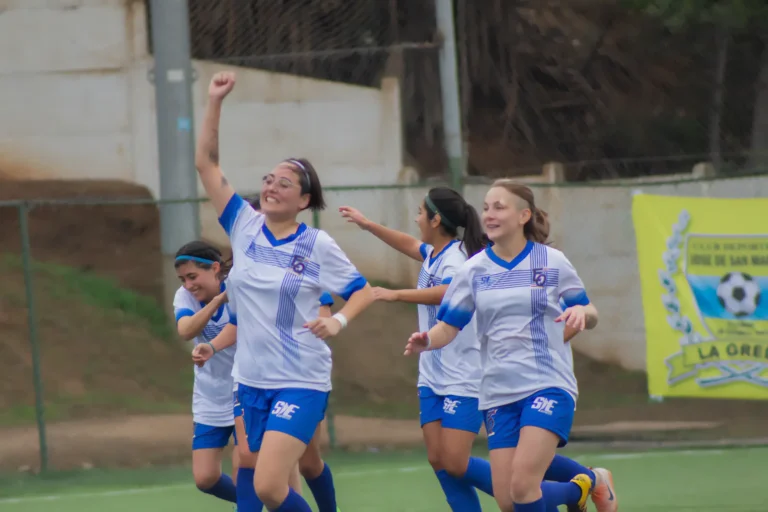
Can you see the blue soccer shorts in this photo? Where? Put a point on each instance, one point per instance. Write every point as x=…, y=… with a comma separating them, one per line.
x=456, y=412
x=550, y=409
x=208, y=436
x=293, y=411
x=237, y=409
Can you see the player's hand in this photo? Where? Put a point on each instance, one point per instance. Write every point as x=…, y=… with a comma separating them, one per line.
x=324, y=328
x=417, y=343
x=221, y=84
x=202, y=353
x=384, y=294
x=574, y=317
x=222, y=297
x=354, y=216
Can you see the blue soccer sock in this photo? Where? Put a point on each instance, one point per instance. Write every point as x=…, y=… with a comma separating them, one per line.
x=559, y=493
x=293, y=503
x=563, y=469
x=247, y=500
x=479, y=475
x=461, y=496
x=224, y=489
x=323, y=490
x=537, y=506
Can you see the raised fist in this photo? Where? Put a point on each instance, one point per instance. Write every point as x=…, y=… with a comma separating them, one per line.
x=221, y=84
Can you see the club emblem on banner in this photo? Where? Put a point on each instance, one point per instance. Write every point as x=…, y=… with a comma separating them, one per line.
x=728, y=279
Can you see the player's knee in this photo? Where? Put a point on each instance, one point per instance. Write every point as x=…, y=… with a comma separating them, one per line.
x=523, y=487
x=271, y=492
x=454, y=464
x=311, y=465
x=205, y=479
x=435, y=460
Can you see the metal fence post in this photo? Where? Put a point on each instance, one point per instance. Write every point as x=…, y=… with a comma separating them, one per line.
x=26, y=255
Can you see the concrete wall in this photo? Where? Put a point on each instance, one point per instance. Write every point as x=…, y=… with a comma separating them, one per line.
x=592, y=225
x=78, y=104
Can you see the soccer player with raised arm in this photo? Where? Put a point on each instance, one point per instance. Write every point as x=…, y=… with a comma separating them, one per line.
x=311, y=465
x=281, y=268
x=515, y=289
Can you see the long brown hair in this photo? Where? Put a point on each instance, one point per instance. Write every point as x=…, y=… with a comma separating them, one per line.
x=537, y=227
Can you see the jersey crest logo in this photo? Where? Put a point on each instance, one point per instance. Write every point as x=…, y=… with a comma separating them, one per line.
x=298, y=264
x=540, y=277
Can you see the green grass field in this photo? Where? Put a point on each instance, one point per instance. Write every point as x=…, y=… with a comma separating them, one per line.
x=691, y=480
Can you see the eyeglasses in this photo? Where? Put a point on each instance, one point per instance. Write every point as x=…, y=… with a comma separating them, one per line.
x=281, y=183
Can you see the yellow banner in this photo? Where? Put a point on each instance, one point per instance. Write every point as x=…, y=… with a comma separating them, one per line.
x=704, y=278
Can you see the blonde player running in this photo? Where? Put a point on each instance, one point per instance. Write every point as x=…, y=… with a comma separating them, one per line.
x=449, y=379
x=281, y=268
x=528, y=391
x=201, y=311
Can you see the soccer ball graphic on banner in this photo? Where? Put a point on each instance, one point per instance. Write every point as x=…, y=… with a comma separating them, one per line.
x=738, y=294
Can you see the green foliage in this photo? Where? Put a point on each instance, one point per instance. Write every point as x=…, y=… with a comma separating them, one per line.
x=101, y=292
x=677, y=14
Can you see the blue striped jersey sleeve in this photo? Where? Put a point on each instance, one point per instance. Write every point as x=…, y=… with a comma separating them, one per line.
x=570, y=287
x=337, y=274
x=458, y=304
x=183, y=304
x=326, y=299
x=424, y=250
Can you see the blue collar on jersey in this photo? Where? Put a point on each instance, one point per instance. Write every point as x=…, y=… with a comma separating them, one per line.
x=509, y=265
x=290, y=238
x=435, y=256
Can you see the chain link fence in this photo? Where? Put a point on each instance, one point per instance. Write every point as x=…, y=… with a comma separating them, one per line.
x=588, y=82
x=613, y=92
x=92, y=354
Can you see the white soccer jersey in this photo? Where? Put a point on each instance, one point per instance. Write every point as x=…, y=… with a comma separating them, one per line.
x=515, y=304
x=276, y=285
x=454, y=369
x=212, y=393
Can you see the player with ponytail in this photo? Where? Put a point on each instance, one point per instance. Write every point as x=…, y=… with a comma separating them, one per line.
x=449, y=380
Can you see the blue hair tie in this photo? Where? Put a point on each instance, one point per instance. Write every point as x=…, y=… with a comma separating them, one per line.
x=184, y=257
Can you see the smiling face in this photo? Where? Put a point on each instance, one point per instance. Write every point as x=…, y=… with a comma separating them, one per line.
x=202, y=283
x=281, y=192
x=428, y=228
x=504, y=214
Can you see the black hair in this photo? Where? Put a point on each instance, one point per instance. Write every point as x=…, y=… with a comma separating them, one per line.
x=255, y=202
x=309, y=180
x=204, y=251
x=456, y=213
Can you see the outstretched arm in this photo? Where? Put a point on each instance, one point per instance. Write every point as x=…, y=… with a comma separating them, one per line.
x=431, y=296
x=398, y=240
x=207, y=152
x=437, y=337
